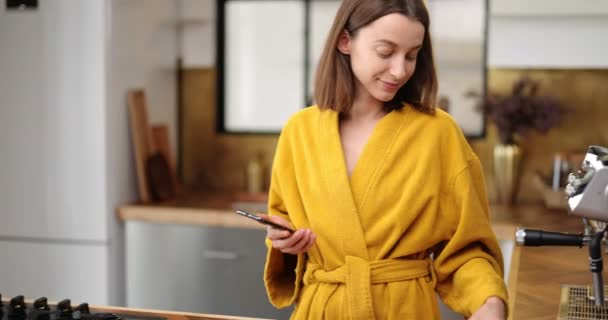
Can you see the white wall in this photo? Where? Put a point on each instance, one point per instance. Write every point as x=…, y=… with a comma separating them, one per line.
x=142, y=52
x=197, y=32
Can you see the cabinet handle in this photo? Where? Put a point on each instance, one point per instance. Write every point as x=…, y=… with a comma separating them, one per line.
x=220, y=255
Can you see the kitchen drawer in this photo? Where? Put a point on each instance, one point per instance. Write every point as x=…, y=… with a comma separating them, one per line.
x=197, y=269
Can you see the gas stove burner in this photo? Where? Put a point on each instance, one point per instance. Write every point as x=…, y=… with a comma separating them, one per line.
x=18, y=309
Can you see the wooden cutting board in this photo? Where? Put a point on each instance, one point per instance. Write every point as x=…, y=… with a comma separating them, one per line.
x=141, y=139
x=160, y=137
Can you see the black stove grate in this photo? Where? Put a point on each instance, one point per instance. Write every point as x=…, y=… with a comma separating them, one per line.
x=17, y=309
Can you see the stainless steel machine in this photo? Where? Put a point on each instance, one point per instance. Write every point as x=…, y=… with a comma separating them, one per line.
x=587, y=193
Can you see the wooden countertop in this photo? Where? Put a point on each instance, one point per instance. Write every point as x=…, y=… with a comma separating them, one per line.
x=199, y=209
x=218, y=210
x=536, y=275
x=170, y=315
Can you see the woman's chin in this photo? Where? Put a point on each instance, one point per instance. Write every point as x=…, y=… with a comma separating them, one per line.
x=384, y=97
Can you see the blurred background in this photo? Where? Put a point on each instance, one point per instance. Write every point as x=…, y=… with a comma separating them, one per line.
x=130, y=129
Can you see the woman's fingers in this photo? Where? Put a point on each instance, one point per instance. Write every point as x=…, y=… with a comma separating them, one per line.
x=289, y=242
x=294, y=243
x=300, y=245
x=276, y=234
x=299, y=241
x=313, y=237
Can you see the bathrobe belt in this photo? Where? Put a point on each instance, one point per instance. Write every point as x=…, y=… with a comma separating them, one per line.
x=358, y=275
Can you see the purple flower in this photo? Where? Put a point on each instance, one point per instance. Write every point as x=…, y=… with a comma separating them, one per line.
x=522, y=111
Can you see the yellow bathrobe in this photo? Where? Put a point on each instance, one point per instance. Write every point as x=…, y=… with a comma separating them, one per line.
x=411, y=220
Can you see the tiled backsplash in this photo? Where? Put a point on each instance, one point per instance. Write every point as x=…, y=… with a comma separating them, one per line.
x=212, y=161
x=584, y=94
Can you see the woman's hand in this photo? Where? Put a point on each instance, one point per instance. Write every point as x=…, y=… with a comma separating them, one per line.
x=493, y=309
x=298, y=242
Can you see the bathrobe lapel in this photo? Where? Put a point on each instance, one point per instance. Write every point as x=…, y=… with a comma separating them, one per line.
x=348, y=195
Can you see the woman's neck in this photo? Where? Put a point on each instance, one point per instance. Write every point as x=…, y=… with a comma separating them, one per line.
x=364, y=108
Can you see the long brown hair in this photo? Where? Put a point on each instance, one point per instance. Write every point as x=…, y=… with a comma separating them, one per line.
x=334, y=80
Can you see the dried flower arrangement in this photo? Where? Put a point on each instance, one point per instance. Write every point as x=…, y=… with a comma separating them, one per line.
x=521, y=111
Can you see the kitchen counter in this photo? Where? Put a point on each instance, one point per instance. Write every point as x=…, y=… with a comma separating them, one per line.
x=537, y=273
x=199, y=209
x=169, y=315
x=218, y=210
x=135, y=312
x=535, y=276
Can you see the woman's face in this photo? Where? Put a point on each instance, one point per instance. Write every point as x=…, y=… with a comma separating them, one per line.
x=383, y=55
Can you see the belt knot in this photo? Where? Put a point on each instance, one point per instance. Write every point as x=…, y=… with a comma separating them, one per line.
x=359, y=274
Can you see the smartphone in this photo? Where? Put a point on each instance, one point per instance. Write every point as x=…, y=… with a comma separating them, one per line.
x=263, y=221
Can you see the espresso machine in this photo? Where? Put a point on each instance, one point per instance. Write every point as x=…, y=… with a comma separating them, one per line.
x=587, y=195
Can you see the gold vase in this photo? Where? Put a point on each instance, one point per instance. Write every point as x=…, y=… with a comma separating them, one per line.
x=507, y=160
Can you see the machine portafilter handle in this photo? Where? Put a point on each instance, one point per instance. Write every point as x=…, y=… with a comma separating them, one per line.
x=535, y=238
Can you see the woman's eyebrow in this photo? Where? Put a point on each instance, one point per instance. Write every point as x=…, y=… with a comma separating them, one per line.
x=388, y=42
x=384, y=41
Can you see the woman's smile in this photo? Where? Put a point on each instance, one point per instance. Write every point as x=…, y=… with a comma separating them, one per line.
x=389, y=86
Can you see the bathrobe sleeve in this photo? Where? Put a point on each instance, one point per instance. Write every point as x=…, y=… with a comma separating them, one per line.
x=469, y=265
x=283, y=272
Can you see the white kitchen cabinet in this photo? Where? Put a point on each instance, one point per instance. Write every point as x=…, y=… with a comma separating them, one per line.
x=66, y=159
x=203, y=269
x=208, y=269
x=54, y=270
x=51, y=128
x=501, y=8
x=559, y=34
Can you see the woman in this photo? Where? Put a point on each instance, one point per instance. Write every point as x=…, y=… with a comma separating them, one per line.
x=387, y=196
